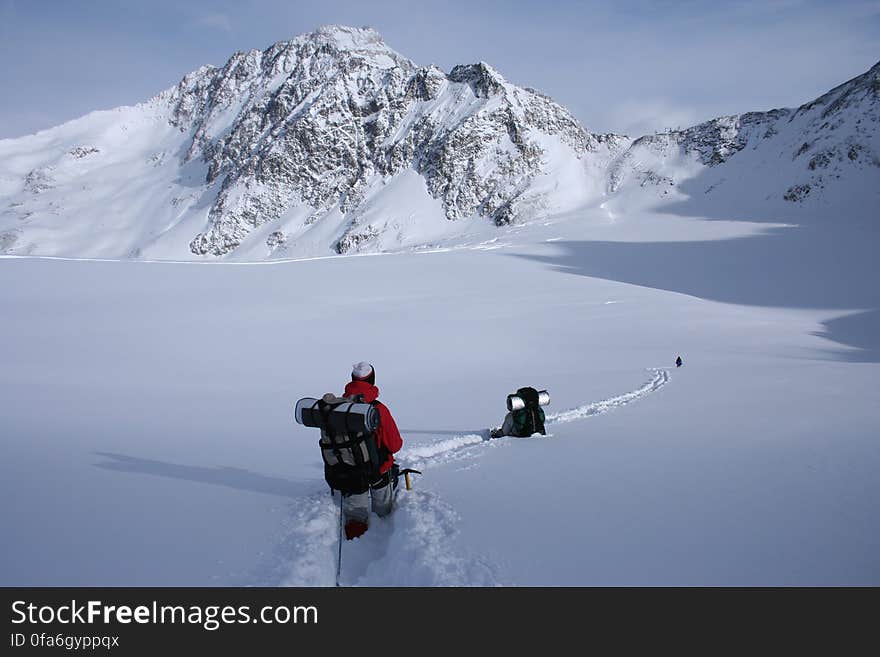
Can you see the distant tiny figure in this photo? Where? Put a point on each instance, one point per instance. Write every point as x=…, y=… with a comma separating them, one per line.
x=678, y=362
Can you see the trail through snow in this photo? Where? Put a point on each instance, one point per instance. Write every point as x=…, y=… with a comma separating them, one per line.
x=456, y=447
x=416, y=545
x=659, y=378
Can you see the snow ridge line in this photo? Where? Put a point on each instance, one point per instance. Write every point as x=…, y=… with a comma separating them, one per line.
x=456, y=447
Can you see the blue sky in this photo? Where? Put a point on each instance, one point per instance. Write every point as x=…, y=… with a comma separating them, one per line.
x=626, y=67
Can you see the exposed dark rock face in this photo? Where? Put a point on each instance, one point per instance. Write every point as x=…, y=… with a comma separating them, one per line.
x=313, y=120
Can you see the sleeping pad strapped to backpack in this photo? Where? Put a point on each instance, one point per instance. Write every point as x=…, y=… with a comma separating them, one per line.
x=348, y=440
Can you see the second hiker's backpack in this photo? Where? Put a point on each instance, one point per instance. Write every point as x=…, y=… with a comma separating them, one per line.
x=528, y=418
x=348, y=440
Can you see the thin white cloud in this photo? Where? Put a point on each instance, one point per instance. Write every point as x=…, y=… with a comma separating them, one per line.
x=217, y=21
x=644, y=116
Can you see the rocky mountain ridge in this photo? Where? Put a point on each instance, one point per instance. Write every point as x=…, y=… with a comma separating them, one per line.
x=317, y=118
x=824, y=140
x=333, y=142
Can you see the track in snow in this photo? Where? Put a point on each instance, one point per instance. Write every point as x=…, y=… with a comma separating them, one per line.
x=464, y=445
x=416, y=545
x=659, y=379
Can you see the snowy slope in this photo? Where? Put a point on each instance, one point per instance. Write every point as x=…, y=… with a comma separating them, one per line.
x=148, y=436
x=328, y=143
x=822, y=157
x=149, y=439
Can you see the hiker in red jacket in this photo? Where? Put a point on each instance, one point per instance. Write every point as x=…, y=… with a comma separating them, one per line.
x=356, y=508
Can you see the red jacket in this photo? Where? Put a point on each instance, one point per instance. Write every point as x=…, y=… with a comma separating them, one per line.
x=387, y=435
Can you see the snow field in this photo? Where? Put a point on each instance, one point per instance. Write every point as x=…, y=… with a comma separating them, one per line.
x=149, y=436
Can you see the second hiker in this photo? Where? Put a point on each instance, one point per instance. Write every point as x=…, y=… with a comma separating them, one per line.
x=526, y=417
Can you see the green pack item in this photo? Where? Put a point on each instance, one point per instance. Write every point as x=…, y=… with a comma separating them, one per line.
x=529, y=420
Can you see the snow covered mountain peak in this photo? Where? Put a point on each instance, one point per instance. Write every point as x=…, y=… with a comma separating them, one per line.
x=344, y=37
x=824, y=155
x=332, y=142
x=482, y=78
x=863, y=88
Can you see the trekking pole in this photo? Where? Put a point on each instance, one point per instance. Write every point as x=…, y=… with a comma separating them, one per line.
x=406, y=473
x=339, y=552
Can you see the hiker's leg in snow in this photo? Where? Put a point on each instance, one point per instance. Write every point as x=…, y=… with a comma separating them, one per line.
x=506, y=428
x=356, y=513
x=382, y=493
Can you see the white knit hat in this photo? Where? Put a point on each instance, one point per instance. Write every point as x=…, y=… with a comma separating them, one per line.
x=361, y=370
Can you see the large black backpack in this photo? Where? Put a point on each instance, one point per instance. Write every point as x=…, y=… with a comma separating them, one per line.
x=348, y=440
x=529, y=420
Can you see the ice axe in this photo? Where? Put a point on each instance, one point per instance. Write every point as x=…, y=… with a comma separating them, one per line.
x=406, y=472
